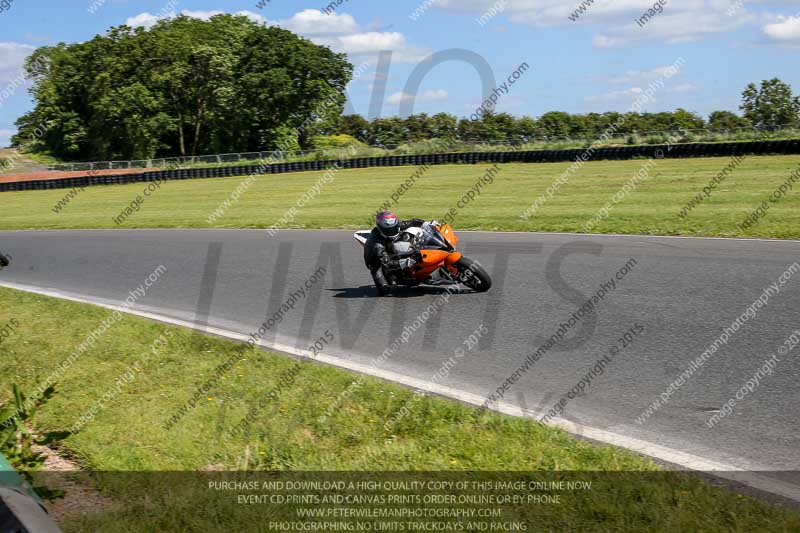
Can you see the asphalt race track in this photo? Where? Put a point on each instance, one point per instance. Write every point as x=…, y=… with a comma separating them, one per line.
x=683, y=291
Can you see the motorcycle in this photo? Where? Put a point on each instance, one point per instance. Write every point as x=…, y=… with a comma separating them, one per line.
x=428, y=255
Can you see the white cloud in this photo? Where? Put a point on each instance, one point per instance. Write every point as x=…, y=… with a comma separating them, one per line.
x=315, y=22
x=339, y=31
x=148, y=20
x=616, y=95
x=202, y=15
x=342, y=34
x=399, y=97
x=683, y=88
x=145, y=20
x=634, y=76
x=680, y=20
x=360, y=43
x=604, y=41
x=786, y=30
x=12, y=61
x=370, y=43
x=439, y=94
x=674, y=27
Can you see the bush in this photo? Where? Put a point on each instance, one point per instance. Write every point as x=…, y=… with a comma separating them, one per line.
x=329, y=142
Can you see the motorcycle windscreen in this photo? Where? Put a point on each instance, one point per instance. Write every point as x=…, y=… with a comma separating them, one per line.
x=447, y=236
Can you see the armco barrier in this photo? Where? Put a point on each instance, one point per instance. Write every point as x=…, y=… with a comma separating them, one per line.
x=474, y=158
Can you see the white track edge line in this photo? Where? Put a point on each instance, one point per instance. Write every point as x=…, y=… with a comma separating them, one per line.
x=656, y=451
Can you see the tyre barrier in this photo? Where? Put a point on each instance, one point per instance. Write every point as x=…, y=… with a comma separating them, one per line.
x=730, y=149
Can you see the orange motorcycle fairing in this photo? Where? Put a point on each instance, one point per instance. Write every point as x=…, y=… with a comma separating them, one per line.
x=431, y=261
x=449, y=235
x=450, y=261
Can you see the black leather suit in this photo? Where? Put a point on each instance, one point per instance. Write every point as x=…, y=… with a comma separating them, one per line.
x=377, y=257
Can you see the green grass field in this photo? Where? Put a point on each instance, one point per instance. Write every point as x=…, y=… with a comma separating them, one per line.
x=354, y=195
x=128, y=433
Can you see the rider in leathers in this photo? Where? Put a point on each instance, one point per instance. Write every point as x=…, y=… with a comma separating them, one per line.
x=376, y=256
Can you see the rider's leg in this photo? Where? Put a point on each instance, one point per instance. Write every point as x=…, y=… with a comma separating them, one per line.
x=375, y=266
x=379, y=277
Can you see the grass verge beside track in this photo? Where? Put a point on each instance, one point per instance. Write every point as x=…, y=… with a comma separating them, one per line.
x=653, y=206
x=128, y=433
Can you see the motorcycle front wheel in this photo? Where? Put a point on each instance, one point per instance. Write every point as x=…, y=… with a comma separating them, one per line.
x=473, y=275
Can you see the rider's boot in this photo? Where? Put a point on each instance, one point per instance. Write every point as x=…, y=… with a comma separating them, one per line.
x=379, y=277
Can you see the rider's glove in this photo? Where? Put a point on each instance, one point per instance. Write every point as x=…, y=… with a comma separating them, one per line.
x=400, y=264
x=407, y=263
x=435, y=222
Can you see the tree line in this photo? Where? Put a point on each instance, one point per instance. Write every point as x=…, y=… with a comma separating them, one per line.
x=771, y=104
x=190, y=87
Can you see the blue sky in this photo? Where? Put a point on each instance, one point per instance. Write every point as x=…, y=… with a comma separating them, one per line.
x=602, y=61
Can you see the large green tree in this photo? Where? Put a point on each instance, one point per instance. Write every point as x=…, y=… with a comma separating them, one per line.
x=184, y=87
x=772, y=104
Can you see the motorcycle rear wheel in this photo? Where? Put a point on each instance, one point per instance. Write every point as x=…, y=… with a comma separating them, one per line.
x=473, y=275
